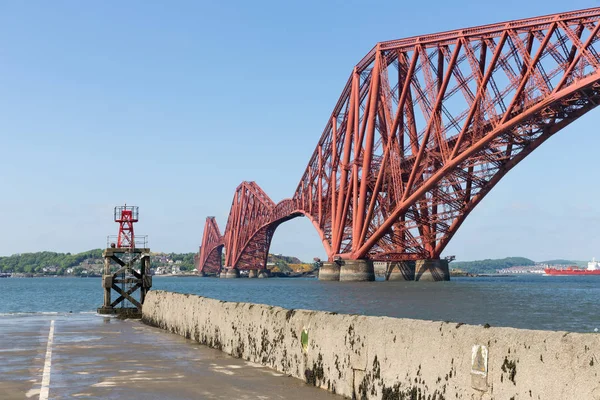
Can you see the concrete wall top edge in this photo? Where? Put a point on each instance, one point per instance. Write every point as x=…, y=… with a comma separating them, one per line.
x=422, y=323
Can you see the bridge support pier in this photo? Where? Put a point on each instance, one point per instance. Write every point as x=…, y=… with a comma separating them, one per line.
x=357, y=270
x=263, y=273
x=401, y=271
x=230, y=273
x=432, y=270
x=253, y=273
x=329, y=272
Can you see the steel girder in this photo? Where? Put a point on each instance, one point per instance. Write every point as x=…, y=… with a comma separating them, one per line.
x=250, y=211
x=424, y=129
x=209, y=259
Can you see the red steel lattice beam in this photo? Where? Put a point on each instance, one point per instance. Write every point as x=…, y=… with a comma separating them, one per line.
x=209, y=259
x=424, y=129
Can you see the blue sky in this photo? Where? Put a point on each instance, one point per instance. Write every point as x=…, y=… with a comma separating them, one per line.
x=170, y=105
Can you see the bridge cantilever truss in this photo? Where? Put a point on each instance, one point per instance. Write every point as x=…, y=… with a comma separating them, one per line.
x=424, y=129
x=209, y=259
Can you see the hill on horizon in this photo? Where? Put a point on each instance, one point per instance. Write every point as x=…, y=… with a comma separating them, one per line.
x=66, y=263
x=490, y=266
x=59, y=263
x=561, y=261
x=91, y=261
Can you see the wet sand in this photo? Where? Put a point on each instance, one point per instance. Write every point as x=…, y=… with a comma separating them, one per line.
x=98, y=357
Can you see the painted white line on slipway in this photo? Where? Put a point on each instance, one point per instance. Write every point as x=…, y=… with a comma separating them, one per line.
x=47, y=365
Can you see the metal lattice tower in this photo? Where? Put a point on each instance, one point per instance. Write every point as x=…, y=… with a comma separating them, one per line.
x=126, y=266
x=126, y=217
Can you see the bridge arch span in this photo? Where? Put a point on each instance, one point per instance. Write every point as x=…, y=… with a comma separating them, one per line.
x=425, y=127
x=209, y=260
x=255, y=253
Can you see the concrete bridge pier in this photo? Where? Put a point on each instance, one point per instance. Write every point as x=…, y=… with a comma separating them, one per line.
x=401, y=271
x=230, y=273
x=329, y=272
x=357, y=270
x=432, y=270
x=253, y=273
x=263, y=273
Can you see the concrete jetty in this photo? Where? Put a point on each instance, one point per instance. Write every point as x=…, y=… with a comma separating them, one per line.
x=91, y=357
x=380, y=357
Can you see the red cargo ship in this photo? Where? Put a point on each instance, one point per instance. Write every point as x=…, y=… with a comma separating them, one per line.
x=571, y=271
x=592, y=269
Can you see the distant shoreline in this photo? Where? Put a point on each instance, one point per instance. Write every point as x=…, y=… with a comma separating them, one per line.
x=277, y=275
x=473, y=275
x=87, y=276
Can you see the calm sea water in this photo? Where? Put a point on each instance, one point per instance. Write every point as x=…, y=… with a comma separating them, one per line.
x=535, y=302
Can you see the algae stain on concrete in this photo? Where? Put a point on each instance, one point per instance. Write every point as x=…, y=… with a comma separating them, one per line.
x=315, y=375
x=304, y=340
x=509, y=367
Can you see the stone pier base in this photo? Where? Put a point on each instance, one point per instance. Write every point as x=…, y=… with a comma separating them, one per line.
x=401, y=271
x=329, y=272
x=263, y=273
x=357, y=270
x=432, y=270
x=230, y=273
x=253, y=273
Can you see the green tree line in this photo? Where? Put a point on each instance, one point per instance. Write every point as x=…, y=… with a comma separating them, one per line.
x=490, y=266
x=187, y=260
x=36, y=262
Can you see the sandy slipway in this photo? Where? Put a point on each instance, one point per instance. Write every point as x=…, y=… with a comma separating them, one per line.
x=389, y=358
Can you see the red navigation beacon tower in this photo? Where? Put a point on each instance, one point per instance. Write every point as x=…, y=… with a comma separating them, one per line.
x=126, y=216
x=126, y=266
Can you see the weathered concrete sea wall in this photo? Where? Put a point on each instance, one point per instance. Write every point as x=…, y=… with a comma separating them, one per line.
x=389, y=358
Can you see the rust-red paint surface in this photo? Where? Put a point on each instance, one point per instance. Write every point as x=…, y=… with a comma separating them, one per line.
x=424, y=129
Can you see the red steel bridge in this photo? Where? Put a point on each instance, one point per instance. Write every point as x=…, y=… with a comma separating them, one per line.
x=424, y=128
